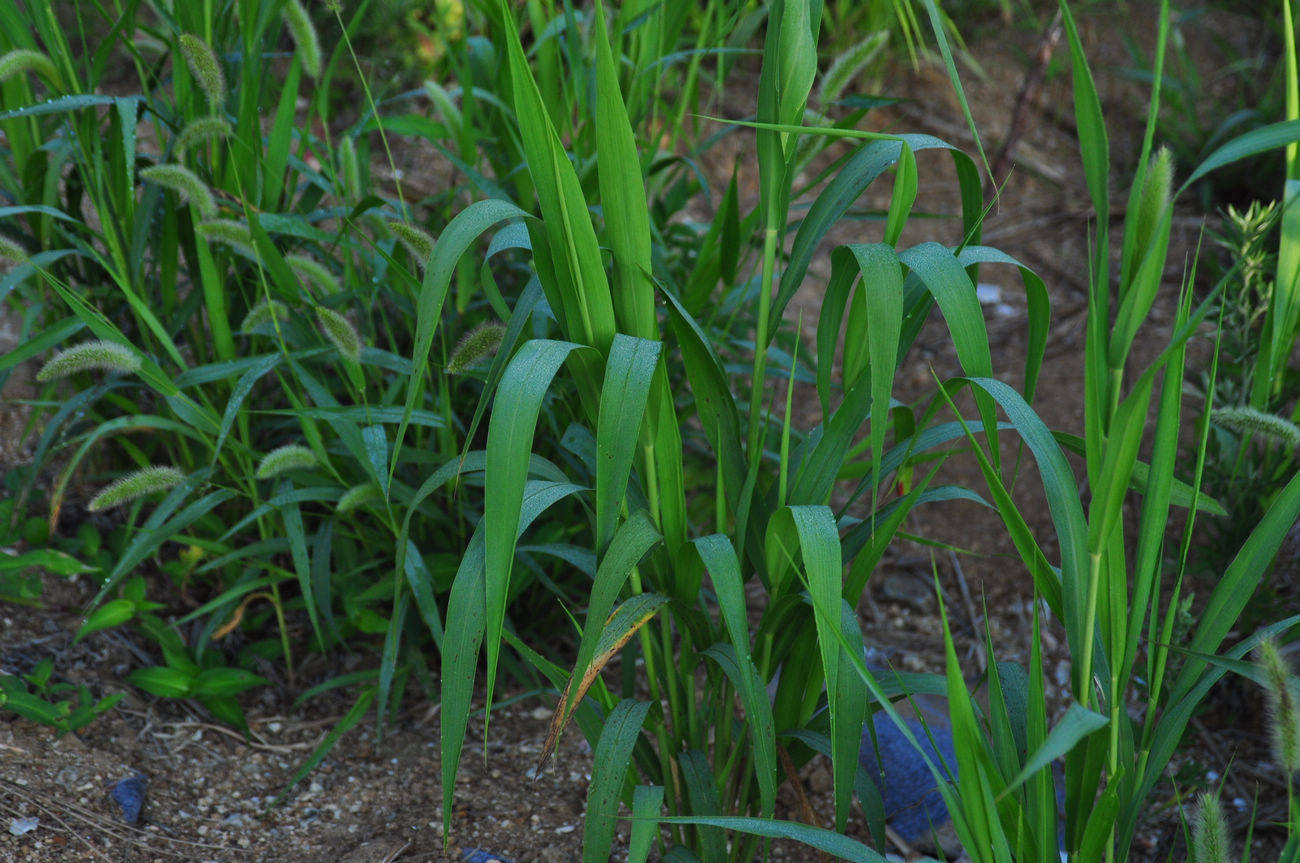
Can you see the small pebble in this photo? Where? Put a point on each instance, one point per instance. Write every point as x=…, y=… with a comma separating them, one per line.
x=21, y=826
x=128, y=794
x=541, y=714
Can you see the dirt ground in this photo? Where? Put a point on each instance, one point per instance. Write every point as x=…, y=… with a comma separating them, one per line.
x=379, y=800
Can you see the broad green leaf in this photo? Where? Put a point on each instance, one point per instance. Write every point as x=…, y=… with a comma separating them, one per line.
x=628, y=373
x=467, y=226
x=719, y=558
x=162, y=681
x=509, y=447
x=1077, y=723
x=612, y=758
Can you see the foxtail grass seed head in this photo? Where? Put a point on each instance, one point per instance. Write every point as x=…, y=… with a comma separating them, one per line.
x=479, y=343
x=304, y=36
x=1210, y=832
x=1251, y=421
x=313, y=272
x=1155, y=196
x=1283, y=711
x=99, y=355
x=202, y=61
x=136, y=484
x=358, y=495
x=289, y=457
x=184, y=183
x=202, y=129
x=350, y=168
x=11, y=251
x=417, y=241
x=262, y=313
x=231, y=233
x=23, y=60
x=340, y=332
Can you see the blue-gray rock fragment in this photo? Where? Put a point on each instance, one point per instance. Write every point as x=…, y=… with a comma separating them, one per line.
x=128, y=794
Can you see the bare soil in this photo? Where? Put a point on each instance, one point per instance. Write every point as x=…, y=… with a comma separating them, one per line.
x=379, y=800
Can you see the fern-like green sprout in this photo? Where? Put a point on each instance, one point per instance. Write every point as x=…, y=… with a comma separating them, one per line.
x=23, y=60
x=340, y=332
x=202, y=61
x=313, y=273
x=288, y=457
x=1251, y=421
x=417, y=241
x=262, y=313
x=479, y=343
x=184, y=183
x=202, y=129
x=1283, y=711
x=137, y=484
x=87, y=356
x=304, y=36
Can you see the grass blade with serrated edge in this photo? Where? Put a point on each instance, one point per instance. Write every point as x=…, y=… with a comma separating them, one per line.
x=624, y=623
x=819, y=545
x=814, y=837
x=467, y=226
x=646, y=803
x=581, y=286
x=466, y=612
x=628, y=374
x=720, y=560
x=509, y=447
x=634, y=539
x=978, y=810
x=610, y=765
x=950, y=285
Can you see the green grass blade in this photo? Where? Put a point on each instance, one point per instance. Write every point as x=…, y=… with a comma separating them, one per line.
x=468, y=225
x=720, y=560
x=509, y=447
x=647, y=800
x=610, y=765
x=466, y=623
x=634, y=539
x=814, y=837
x=628, y=374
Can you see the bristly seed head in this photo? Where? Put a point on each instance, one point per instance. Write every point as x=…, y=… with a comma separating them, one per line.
x=262, y=313
x=339, y=331
x=202, y=129
x=1247, y=420
x=1283, y=710
x=234, y=234
x=100, y=355
x=357, y=496
x=313, y=272
x=205, y=68
x=136, y=484
x=304, y=36
x=184, y=183
x=21, y=60
x=1210, y=831
x=288, y=457
x=417, y=241
x=11, y=251
x=479, y=343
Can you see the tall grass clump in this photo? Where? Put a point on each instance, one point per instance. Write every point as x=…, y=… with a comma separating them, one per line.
x=543, y=405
